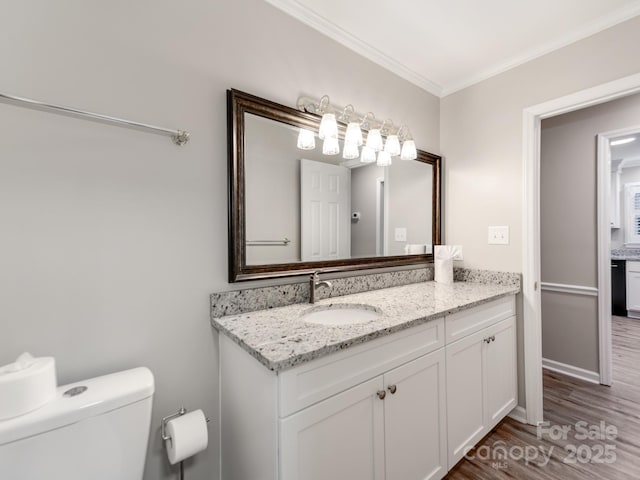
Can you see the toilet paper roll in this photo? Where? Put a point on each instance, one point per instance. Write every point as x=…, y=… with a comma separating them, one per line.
x=26, y=385
x=188, y=436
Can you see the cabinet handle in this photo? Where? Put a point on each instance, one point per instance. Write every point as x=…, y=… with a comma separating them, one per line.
x=487, y=340
x=381, y=394
x=392, y=389
x=493, y=338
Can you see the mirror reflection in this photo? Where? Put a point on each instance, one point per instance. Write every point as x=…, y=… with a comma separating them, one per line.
x=304, y=206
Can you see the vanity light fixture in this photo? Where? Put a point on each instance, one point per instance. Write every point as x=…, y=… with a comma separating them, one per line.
x=384, y=159
x=306, y=139
x=392, y=145
x=368, y=155
x=622, y=141
x=331, y=146
x=354, y=134
x=408, y=151
x=350, y=151
x=398, y=141
x=374, y=139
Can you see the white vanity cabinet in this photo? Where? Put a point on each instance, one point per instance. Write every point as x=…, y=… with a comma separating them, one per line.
x=379, y=410
x=481, y=373
x=368, y=432
x=633, y=289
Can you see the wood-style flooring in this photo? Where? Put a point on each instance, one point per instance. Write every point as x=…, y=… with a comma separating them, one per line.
x=567, y=401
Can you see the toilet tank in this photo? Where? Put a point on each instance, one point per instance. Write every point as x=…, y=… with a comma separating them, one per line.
x=95, y=429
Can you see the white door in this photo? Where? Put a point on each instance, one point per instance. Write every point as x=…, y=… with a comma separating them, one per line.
x=465, y=395
x=340, y=438
x=415, y=419
x=325, y=204
x=500, y=370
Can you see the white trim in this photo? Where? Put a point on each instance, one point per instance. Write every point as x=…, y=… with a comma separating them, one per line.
x=531, y=223
x=519, y=414
x=571, y=371
x=307, y=16
x=565, y=288
x=602, y=23
x=333, y=31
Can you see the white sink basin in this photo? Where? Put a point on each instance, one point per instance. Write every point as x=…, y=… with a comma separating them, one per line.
x=341, y=314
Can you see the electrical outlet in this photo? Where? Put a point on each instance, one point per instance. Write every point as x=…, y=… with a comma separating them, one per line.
x=499, y=235
x=458, y=252
x=401, y=234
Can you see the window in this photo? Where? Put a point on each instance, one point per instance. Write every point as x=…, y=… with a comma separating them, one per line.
x=632, y=214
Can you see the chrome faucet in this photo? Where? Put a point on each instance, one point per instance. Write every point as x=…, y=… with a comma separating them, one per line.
x=314, y=282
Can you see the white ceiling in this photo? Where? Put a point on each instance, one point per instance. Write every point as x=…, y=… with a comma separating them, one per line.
x=446, y=45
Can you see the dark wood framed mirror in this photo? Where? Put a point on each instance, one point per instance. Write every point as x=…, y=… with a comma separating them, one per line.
x=281, y=223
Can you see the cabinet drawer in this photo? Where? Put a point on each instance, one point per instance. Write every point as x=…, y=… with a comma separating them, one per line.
x=461, y=324
x=314, y=381
x=633, y=266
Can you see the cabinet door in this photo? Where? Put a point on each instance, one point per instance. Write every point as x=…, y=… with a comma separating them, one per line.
x=340, y=438
x=415, y=419
x=465, y=395
x=500, y=374
x=633, y=289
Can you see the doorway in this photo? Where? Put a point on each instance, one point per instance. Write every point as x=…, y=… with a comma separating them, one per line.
x=532, y=320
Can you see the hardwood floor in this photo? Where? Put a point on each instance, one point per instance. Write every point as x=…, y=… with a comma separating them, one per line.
x=603, y=455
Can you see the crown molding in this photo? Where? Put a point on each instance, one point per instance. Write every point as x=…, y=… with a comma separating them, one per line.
x=325, y=26
x=608, y=21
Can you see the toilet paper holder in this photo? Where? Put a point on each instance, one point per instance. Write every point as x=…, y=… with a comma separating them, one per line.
x=163, y=426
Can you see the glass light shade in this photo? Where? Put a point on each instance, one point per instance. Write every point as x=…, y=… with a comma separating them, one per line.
x=374, y=139
x=328, y=126
x=384, y=159
x=330, y=146
x=409, y=150
x=354, y=134
x=350, y=151
x=306, y=139
x=392, y=145
x=368, y=155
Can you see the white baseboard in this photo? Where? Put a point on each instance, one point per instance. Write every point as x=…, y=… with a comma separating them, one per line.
x=571, y=371
x=519, y=414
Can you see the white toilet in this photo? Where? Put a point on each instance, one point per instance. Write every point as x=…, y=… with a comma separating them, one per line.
x=96, y=429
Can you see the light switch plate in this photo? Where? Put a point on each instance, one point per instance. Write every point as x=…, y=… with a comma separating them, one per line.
x=458, y=252
x=401, y=234
x=499, y=235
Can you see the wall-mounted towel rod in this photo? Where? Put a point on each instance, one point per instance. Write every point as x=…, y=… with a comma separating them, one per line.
x=179, y=137
x=253, y=243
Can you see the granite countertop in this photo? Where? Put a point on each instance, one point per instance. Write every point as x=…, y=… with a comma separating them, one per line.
x=625, y=254
x=279, y=339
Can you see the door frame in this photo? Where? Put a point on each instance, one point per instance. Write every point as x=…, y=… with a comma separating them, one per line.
x=604, y=251
x=531, y=297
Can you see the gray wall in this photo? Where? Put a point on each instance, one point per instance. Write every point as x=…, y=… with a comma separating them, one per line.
x=363, y=200
x=568, y=228
x=410, y=201
x=113, y=239
x=482, y=142
x=272, y=190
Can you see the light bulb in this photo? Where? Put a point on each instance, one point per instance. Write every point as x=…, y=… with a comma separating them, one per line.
x=392, y=145
x=350, y=151
x=368, y=155
x=384, y=159
x=330, y=146
x=409, y=150
x=354, y=134
x=328, y=126
x=374, y=139
x=306, y=139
